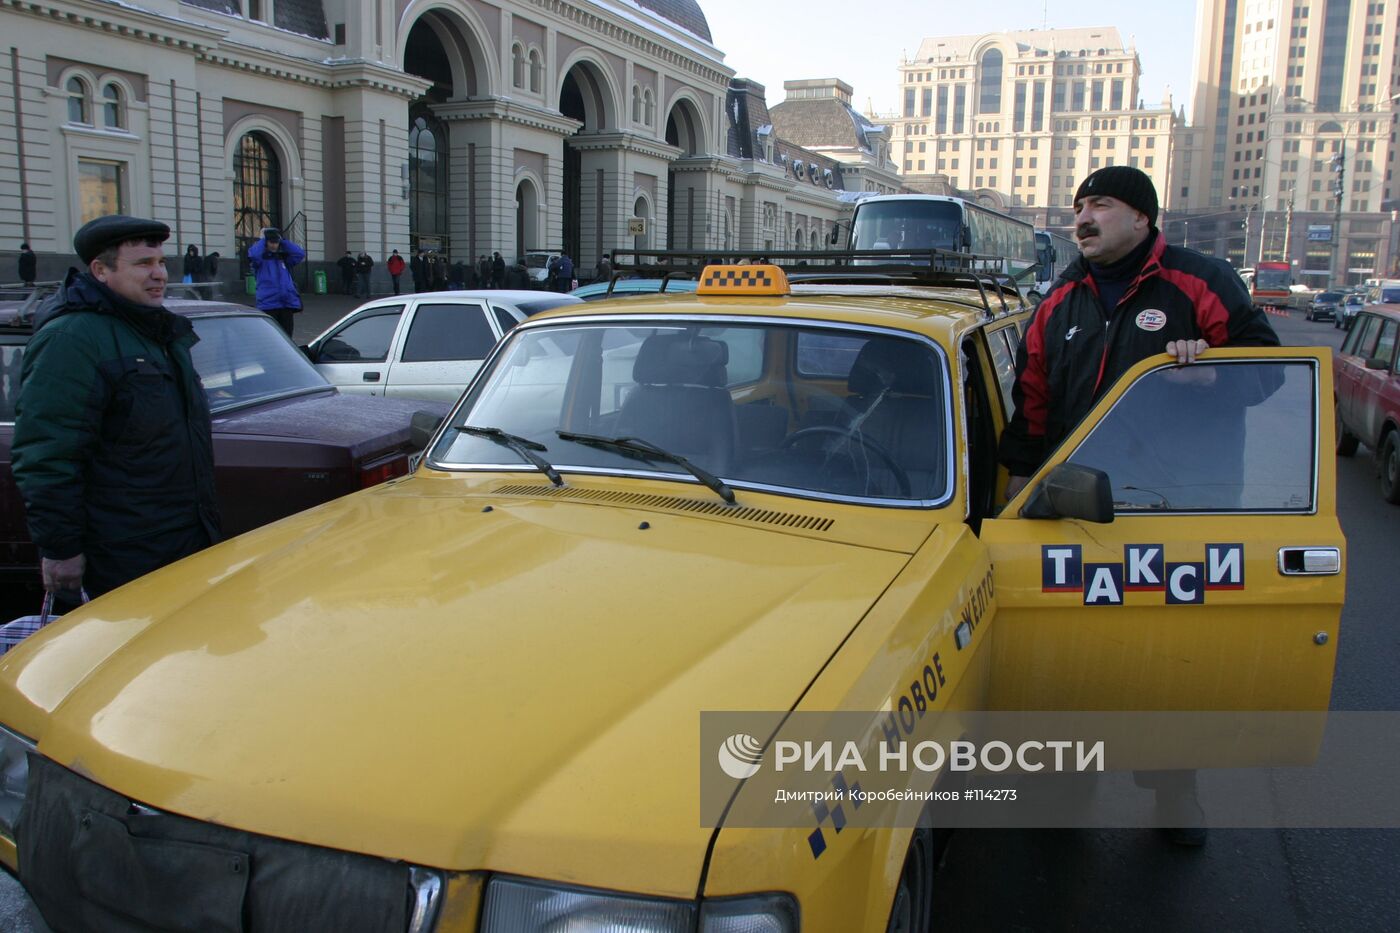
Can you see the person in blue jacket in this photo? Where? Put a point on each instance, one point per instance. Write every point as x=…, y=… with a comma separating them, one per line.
x=272, y=259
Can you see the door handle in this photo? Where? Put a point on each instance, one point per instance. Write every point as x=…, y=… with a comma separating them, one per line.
x=371, y=377
x=1309, y=561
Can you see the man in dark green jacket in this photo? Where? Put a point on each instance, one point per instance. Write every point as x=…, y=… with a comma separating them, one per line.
x=112, y=448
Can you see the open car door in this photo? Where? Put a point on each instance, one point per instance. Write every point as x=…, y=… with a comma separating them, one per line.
x=1215, y=583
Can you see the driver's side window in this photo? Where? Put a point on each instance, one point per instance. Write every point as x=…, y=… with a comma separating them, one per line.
x=1211, y=437
x=364, y=340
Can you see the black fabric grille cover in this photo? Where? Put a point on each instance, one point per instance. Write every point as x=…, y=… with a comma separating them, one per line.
x=91, y=861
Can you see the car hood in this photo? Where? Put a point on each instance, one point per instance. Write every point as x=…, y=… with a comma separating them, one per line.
x=359, y=422
x=468, y=683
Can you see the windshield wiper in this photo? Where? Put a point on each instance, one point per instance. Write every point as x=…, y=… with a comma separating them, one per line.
x=646, y=450
x=522, y=445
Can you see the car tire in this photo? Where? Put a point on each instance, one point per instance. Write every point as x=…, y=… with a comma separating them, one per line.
x=911, y=911
x=1390, y=468
x=1346, y=441
x=1308, y=316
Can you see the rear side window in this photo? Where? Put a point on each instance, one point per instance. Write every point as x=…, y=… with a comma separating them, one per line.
x=11, y=356
x=364, y=340
x=442, y=332
x=1002, y=344
x=1385, y=347
x=1362, y=331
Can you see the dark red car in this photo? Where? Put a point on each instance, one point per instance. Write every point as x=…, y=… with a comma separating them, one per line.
x=284, y=438
x=1368, y=392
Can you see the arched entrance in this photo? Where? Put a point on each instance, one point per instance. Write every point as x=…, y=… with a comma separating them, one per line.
x=685, y=131
x=442, y=48
x=585, y=96
x=257, y=190
x=527, y=215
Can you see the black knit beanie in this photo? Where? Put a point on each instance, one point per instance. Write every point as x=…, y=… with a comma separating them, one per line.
x=1127, y=184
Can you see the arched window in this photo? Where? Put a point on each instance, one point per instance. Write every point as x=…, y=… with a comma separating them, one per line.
x=77, y=100
x=427, y=179
x=1330, y=126
x=112, y=116
x=648, y=108
x=636, y=104
x=536, y=71
x=257, y=189
x=517, y=65
x=989, y=82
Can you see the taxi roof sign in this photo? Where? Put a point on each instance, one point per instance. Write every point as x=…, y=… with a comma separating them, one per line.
x=751, y=280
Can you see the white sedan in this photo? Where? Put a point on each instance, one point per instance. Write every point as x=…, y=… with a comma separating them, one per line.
x=422, y=346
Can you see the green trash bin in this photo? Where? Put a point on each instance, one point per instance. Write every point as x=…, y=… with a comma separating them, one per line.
x=251, y=284
x=318, y=279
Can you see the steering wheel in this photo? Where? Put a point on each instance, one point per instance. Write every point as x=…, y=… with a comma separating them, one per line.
x=901, y=478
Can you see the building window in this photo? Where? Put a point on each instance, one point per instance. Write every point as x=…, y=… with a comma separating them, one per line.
x=427, y=179
x=77, y=100
x=100, y=188
x=536, y=71
x=112, y=107
x=257, y=189
x=989, y=83
x=636, y=104
x=649, y=108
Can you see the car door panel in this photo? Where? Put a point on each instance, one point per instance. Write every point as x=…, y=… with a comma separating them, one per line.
x=441, y=347
x=1181, y=602
x=1371, y=386
x=355, y=356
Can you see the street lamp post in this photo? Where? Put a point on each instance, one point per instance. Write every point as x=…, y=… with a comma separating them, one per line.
x=1339, y=165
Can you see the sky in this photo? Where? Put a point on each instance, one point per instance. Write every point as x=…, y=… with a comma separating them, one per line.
x=773, y=42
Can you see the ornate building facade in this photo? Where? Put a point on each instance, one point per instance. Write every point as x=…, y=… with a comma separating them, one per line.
x=468, y=126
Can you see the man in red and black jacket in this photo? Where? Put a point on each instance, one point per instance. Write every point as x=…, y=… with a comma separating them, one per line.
x=1129, y=296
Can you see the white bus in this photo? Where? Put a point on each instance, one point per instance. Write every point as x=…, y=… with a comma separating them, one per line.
x=1054, y=253
x=928, y=221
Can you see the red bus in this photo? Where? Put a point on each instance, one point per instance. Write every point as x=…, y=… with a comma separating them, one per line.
x=1271, y=281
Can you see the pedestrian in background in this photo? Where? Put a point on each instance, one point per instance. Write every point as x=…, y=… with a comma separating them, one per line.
x=395, y=266
x=564, y=274
x=604, y=270
x=272, y=259
x=483, y=271
x=439, y=272
x=364, y=264
x=211, y=275
x=346, y=265
x=498, y=271
x=28, y=265
x=518, y=277
x=415, y=268
x=112, y=448
x=192, y=267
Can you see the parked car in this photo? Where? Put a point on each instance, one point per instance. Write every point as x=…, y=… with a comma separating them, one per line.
x=597, y=291
x=424, y=346
x=284, y=438
x=1367, y=374
x=1324, y=306
x=537, y=265
x=484, y=696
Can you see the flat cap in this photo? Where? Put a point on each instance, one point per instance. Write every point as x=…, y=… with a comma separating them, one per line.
x=114, y=229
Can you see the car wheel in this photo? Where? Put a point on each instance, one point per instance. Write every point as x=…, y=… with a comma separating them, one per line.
x=1346, y=441
x=912, y=909
x=1390, y=468
x=1308, y=316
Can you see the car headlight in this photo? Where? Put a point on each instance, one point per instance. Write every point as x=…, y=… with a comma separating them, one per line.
x=517, y=906
x=14, y=778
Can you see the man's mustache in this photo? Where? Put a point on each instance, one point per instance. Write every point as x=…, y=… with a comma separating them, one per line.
x=1084, y=230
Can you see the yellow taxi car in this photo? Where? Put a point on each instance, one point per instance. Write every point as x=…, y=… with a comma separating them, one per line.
x=467, y=699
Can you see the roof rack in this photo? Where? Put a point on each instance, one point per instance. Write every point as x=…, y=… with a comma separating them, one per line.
x=917, y=267
x=32, y=297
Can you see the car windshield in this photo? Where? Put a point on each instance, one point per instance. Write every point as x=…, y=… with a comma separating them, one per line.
x=246, y=358
x=1329, y=296
x=536, y=260
x=798, y=408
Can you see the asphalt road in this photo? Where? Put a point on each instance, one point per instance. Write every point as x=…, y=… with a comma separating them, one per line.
x=1275, y=880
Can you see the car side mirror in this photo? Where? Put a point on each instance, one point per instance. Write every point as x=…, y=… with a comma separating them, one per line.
x=422, y=427
x=1071, y=490
x=1376, y=362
